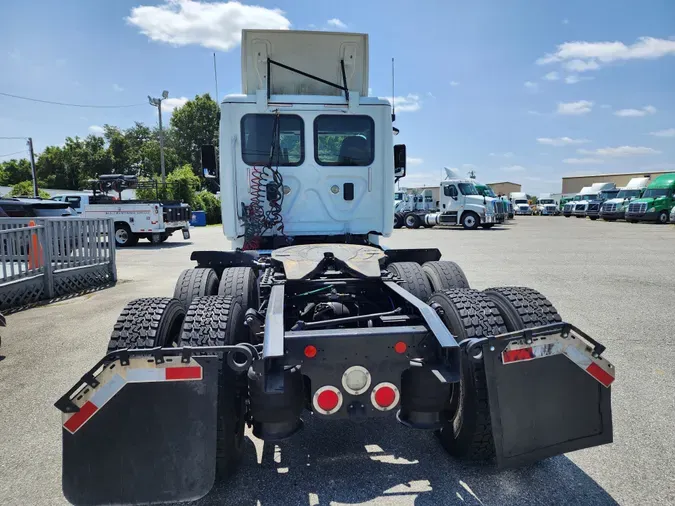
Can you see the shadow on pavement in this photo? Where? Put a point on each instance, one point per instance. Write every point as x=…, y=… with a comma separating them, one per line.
x=380, y=462
x=147, y=245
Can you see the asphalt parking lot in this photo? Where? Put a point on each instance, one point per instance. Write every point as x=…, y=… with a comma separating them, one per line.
x=615, y=281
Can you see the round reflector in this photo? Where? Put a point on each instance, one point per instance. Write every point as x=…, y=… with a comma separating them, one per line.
x=310, y=351
x=327, y=400
x=400, y=347
x=385, y=396
x=356, y=380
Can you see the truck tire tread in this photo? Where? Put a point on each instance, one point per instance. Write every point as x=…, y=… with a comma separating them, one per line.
x=146, y=323
x=523, y=307
x=413, y=278
x=240, y=283
x=445, y=274
x=468, y=314
x=216, y=320
x=196, y=282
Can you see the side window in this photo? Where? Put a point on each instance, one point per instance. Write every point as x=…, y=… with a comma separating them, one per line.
x=256, y=140
x=344, y=140
x=450, y=190
x=74, y=202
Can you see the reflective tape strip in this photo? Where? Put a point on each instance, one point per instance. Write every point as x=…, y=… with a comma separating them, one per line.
x=107, y=390
x=77, y=419
x=183, y=373
x=145, y=374
x=600, y=374
x=576, y=356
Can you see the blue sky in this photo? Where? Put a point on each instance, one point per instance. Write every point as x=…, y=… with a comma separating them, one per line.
x=517, y=90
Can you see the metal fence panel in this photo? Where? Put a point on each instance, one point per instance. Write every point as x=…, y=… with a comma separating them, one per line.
x=48, y=257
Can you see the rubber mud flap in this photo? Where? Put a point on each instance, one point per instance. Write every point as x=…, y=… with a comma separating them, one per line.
x=544, y=407
x=151, y=442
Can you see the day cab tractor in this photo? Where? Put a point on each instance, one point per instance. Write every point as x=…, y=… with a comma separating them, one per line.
x=310, y=315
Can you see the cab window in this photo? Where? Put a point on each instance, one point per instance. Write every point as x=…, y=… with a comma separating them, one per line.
x=256, y=140
x=450, y=190
x=344, y=140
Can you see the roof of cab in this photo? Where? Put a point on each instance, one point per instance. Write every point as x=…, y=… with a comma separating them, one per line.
x=663, y=181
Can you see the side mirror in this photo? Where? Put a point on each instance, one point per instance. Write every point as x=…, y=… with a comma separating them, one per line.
x=399, y=161
x=209, y=167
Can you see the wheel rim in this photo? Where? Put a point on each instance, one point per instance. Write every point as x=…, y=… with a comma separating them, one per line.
x=410, y=221
x=470, y=221
x=663, y=218
x=121, y=236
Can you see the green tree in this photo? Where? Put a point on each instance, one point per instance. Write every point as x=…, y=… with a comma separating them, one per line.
x=182, y=184
x=192, y=126
x=208, y=202
x=25, y=189
x=51, y=168
x=14, y=171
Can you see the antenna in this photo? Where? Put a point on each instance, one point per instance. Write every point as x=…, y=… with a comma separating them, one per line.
x=393, y=95
x=215, y=75
x=472, y=174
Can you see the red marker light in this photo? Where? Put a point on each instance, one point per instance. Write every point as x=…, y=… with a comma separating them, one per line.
x=400, y=347
x=310, y=351
x=385, y=396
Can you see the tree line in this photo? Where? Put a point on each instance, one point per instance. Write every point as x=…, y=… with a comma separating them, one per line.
x=134, y=150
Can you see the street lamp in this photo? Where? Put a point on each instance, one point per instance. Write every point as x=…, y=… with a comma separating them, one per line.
x=157, y=102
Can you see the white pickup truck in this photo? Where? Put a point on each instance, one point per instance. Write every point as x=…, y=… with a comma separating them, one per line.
x=154, y=220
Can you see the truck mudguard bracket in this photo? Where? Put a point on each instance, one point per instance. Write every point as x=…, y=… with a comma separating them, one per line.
x=548, y=391
x=220, y=259
x=412, y=255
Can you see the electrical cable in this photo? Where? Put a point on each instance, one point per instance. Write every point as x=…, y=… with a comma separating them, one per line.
x=52, y=102
x=15, y=153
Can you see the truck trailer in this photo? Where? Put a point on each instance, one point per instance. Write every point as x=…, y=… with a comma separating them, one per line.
x=309, y=315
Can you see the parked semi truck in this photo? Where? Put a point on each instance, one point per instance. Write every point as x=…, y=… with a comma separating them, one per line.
x=568, y=208
x=615, y=208
x=595, y=204
x=521, y=203
x=548, y=204
x=591, y=193
x=308, y=316
x=501, y=210
x=656, y=201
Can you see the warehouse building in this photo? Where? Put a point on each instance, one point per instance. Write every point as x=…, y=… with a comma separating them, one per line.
x=574, y=184
x=504, y=188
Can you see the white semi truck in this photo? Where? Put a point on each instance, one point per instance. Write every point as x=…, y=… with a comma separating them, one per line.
x=307, y=316
x=588, y=194
x=521, y=203
x=548, y=204
x=615, y=209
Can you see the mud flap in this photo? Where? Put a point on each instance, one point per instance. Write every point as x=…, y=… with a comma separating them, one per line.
x=145, y=432
x=549, y=393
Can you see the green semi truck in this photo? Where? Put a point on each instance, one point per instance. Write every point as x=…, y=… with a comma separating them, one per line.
x=656, y=202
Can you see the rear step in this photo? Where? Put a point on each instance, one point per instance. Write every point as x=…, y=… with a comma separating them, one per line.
x=548, y=389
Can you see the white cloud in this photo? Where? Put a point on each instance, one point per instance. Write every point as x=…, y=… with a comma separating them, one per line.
x=430, y=95
x=634, y=113
x=592, y=54
x=583, y=161
x=531, y=86
x=513, y=168
x=560, y=141
x=117, y=87
x=508, y=154
x=575, y=108
x=534, y=113
x=572, y=79
x=581, y=65
x=171, y=104
x=620, y=151
x=214, y=25
x=409, y=103
x=670, y=132
x=336, y=23
x=415, y=161
x=565, y=21
x=606, y=106
x=95, y=129
x=552, y=76
x=454, y=83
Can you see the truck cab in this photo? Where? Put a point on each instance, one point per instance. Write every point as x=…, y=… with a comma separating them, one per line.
x=568, y=208
x=521, y=203
x=655, y=203
x=594, y=206
x=615, y=208
x=547, y=205
x=489, y=194
x=588, y=194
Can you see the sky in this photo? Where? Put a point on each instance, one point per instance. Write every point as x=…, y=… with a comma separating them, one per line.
x=515, y=90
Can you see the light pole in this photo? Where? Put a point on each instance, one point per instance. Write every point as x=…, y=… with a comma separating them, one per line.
x=157, y=102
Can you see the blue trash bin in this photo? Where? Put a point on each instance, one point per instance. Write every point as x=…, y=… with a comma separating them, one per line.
x=198, y=219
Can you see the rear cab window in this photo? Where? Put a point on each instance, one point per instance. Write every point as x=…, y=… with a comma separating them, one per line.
x=257, y=134
x=344, y=140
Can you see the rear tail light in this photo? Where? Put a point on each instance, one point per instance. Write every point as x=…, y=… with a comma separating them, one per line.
x=385, y=396
x=327, y=400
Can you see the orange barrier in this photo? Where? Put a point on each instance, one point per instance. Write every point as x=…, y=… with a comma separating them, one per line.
x=35, y=255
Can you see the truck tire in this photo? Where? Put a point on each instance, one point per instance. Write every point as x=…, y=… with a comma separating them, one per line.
x=522, y=308
x=593, y=218
x=195, y=283
x=216, y=321
x=470, y=220
x=413, y=278
x=124, y=236
x=146, y=323
x=488, y=225
x=412, y=220
x=240, y=283
x=444, y=275
x=398, y=220
x=467, y=428
x=664, y=217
